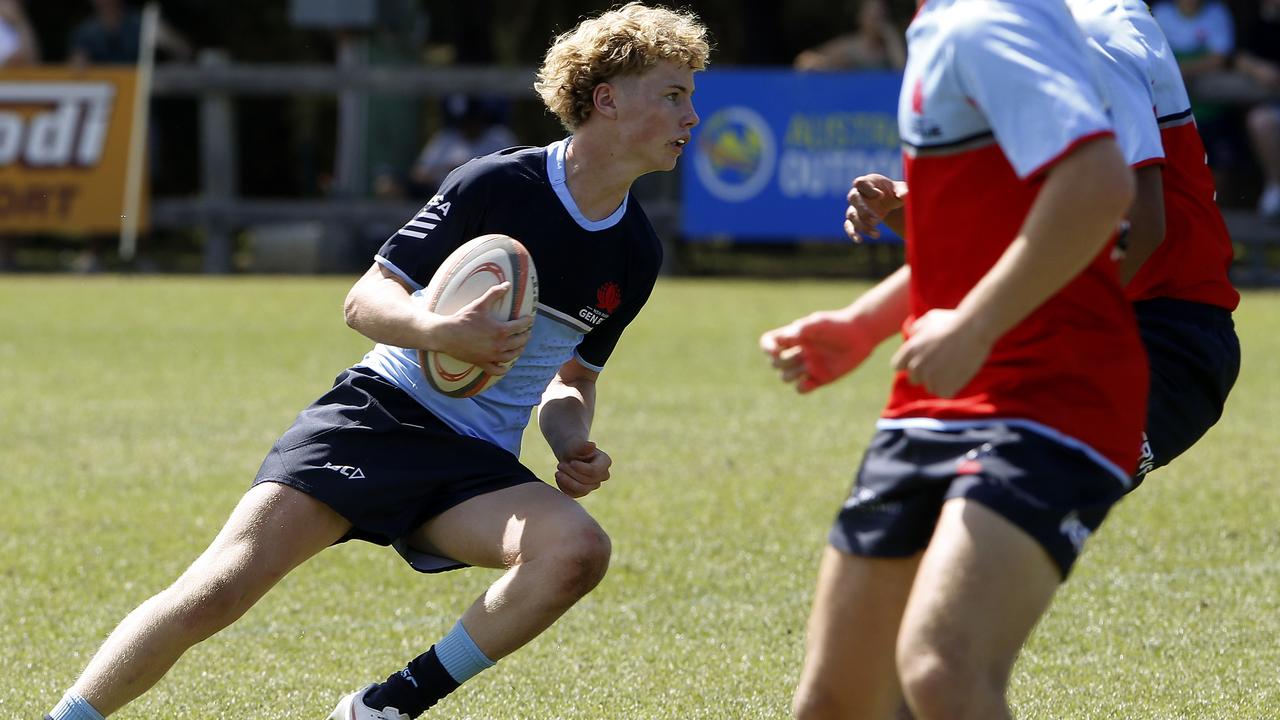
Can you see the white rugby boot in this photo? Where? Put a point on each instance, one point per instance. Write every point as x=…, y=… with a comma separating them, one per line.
x=352, y=707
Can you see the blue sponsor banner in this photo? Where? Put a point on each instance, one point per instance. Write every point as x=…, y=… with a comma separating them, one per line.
x=776, y=151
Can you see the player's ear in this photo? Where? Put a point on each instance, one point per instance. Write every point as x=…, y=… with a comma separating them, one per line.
x=604, y=98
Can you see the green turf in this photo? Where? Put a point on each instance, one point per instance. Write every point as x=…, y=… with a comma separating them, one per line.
x=134, y=412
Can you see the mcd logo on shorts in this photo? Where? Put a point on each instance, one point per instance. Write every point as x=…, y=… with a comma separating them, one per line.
x=68, y=127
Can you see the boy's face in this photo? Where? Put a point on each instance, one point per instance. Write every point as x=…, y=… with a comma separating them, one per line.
x=654, y=115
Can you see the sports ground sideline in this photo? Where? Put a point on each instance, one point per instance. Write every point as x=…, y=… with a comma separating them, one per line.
x=135, y=411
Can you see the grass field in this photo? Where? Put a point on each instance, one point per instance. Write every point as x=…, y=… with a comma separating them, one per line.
x=134, y=412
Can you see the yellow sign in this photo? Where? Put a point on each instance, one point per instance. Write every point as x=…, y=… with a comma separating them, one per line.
x=64, y=141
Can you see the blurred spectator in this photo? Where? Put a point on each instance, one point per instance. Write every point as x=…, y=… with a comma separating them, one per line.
x=111, y=36
x=877, y=44
x=1259, y=60
x=1202, y=36
x=473, y=126
x=393, y=123
x=18, y=45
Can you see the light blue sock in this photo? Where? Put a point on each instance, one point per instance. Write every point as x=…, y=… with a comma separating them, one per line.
x=74, y=707
x=460, y=656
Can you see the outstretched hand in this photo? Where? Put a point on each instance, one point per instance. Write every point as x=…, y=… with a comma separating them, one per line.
x=582, y=469
x=816, y=349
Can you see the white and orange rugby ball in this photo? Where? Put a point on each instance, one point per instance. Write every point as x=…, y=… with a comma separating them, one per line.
x=465, y=275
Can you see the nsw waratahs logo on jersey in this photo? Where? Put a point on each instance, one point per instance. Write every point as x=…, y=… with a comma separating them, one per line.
x=736, y=154
x=608, y=298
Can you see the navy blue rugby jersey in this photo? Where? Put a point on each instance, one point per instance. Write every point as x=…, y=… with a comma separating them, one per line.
x=593, y=278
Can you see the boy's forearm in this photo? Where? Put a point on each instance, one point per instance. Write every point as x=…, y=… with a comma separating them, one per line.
x=1075, y=214
x=1146, y=222
x=880, y=311
x=565, y=415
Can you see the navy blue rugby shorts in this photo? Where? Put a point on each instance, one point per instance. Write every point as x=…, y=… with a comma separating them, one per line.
x=1195, y=359
x=1054, y=493
x=385, y=463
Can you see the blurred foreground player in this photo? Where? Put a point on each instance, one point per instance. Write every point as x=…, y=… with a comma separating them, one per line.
x=383, y=458
x=1020, y=393
x=1178, y=252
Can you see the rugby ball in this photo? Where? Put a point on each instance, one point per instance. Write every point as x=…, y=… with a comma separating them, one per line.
x=465, y=275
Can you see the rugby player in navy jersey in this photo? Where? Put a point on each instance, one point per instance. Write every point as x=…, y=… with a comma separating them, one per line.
x=383, y=458
x=1017, y=407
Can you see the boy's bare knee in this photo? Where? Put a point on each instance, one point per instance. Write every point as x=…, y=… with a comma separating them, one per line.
x=942, y=685
x=814, y=703
x=216, y=590
x=202, y=607
x=580, y=559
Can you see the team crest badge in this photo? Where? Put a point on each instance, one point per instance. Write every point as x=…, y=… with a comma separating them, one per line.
x=609, y=297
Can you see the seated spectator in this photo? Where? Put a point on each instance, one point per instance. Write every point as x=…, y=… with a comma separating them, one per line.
x=876, y=45
x=112, y=34
x=1259, y=60
x=18, y=45
x=1202, y=36
x=1200, y=32
x=472, y=127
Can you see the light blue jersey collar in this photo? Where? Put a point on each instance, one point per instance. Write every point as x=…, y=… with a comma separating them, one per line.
x=556, y=152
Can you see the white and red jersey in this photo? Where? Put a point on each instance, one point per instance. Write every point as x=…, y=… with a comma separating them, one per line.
x=1154, y=125
x=995, y=93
